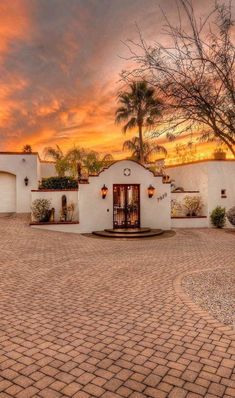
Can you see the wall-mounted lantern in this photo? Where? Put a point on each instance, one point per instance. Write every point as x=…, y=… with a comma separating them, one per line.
x=104, y=191
x=26, y=181
x=151, y=191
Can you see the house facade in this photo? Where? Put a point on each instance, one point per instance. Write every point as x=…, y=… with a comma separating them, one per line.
x=124, y=195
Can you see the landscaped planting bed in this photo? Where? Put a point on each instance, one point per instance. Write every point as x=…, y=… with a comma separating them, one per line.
x=214, y=291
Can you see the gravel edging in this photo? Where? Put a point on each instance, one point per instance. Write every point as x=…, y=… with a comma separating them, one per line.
x=214, y=291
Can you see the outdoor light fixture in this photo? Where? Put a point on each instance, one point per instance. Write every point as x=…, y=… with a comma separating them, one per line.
x=26, y=181
x=104, y=191
x=151, y=190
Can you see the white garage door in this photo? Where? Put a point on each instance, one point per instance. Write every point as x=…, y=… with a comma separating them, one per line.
x=7, y=193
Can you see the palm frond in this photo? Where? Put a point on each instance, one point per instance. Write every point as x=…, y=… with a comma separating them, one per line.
x=107, y=158
x=129, y=145
x=122, y=114
x=53, y=153
x=75, y=153
x=132, y=123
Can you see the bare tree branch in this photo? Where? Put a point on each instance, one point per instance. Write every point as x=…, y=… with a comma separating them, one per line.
x=194, y=74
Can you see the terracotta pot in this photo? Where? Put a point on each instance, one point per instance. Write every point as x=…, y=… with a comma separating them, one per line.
x=220, y=155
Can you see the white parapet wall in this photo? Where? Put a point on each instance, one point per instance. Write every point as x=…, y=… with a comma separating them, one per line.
x=55, y=197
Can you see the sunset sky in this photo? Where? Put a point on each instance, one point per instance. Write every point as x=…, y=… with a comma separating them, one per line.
x=60, y=62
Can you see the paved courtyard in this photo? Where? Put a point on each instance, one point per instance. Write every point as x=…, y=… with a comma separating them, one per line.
x=84, y=317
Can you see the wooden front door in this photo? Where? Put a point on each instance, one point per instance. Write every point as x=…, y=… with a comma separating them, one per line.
x=126, y=206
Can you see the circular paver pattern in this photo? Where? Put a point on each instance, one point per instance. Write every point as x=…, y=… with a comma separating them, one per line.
x=85, y=317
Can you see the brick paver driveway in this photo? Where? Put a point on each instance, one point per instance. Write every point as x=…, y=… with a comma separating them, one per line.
x=84, y=317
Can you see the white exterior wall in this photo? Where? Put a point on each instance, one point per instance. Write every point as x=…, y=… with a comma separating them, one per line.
x=192, y=177
x=96, y=213
x=221, y=176
x=209, y=177
x=179, y=196
x=56, y=200
x=21, y=165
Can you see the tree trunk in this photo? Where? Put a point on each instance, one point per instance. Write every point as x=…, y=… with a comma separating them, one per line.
x=79, y=170
x=141, y=144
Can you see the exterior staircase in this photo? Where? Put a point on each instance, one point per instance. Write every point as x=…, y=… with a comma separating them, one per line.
x=128, y=233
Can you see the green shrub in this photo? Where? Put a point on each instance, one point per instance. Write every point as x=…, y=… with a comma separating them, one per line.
x=40, y=209
x=218, y=217
x=58, y=183
x=231, y=215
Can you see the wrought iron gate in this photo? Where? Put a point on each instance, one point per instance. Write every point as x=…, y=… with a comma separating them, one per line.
x=126, y=206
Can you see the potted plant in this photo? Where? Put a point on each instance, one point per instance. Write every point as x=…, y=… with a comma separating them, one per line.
x=70, y=209
x=176, y=208
x=41, y=210
x=193, y=205
x=219, y=154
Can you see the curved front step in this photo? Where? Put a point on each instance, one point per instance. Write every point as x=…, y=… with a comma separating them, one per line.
x=148, y=234
x=127, y=230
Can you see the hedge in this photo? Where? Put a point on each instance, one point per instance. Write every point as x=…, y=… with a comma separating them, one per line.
x=58, y=183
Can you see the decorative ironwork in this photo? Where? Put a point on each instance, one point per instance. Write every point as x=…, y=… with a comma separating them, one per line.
x=127, y=172
x=126, y=206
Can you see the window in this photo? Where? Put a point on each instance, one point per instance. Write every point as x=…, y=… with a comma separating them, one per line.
x=223, y=193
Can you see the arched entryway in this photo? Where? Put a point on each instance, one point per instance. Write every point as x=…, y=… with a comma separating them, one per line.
x=7, y=192
x=126, y=205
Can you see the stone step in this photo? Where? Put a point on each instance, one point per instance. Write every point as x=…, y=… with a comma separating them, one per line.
x=148, y=234
x=128, y=230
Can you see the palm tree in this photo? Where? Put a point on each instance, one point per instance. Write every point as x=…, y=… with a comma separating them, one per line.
x=75, y=157
x=61, y=162
x=149, y=149
x=94, y=162
x=138, y=108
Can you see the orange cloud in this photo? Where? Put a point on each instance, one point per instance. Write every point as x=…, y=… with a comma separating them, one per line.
x=15, y=23
x=60, y=63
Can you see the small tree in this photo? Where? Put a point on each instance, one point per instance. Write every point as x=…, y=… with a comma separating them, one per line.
x=218, y=217
x=94, y=162
x=61, y=162
x=75, y=158
x=67, y=163
x=27, y=148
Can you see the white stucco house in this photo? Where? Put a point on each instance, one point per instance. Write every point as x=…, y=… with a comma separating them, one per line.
x=133, y=196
